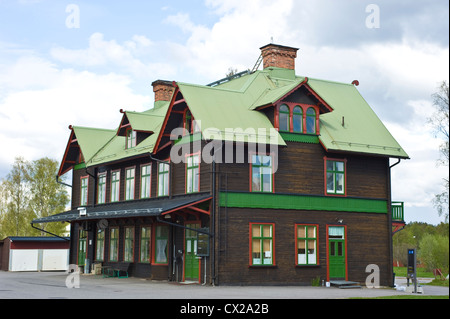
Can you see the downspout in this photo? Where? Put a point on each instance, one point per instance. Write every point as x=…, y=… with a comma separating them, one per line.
x=59, y=182
x=391, y=243
x=32, y=225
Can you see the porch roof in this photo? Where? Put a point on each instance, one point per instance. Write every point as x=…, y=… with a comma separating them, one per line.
x=138, y=208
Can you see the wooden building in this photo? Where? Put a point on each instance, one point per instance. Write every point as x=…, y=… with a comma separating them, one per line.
x=264, y=177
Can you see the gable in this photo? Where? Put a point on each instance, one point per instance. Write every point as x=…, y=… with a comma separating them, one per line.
x=83, y=144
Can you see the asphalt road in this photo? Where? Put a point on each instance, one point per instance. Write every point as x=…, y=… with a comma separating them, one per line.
x=54, y=285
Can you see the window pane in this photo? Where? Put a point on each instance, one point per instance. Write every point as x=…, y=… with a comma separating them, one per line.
x=311, y=232
x=256, y=179
x=256, y=231
x=340, y=183
x=301, y=232
x=311, y=121
x=267, y=231
x=284, y=118
x=330, y=182
x=339, y=166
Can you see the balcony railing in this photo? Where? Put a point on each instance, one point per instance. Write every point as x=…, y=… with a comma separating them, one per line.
x=398, y=212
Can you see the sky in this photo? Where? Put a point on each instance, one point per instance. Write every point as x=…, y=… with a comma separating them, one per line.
x=79, y=62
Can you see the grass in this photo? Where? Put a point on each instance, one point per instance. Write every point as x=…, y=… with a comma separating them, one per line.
x=407, y=297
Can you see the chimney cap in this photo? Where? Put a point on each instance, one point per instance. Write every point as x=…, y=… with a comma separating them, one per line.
x=163, y=82
x=278, y=46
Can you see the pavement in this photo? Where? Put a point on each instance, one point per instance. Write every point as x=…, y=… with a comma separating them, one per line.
x=56, y=285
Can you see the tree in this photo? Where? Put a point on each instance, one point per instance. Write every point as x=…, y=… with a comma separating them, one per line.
x=440, y=123
x=433, y=252
x=47, y=196
x=16, y=212
x=30, y=191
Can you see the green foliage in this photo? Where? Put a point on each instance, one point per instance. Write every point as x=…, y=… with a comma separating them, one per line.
x=433, y=252
x=30, y=191
x=411, y=236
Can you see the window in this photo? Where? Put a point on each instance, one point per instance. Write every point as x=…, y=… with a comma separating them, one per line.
x=100, y=246
x=297, y=120
x=114, y=244
x=335, y=177
x=145, y=244
x=284, y=118
x=306, y=245
x=129, y=183
x=261, y=245
x=131, y=139
x=128, y=253
x=115, y=186
x=163, y=179
x=311, y=121
x=146, y=181
x=84, y=191
x=192, y=173
x=261, y=170
x=101, y=193
x=161, y=247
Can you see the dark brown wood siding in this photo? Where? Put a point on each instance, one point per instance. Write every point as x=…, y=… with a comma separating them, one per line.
x=366, y=244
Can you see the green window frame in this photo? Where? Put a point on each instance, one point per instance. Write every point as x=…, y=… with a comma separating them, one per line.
x=161, y=245
x=114, y=244
x=100, y=246
x=115, y=186
x=146, y=181
x=284, y=118
x=84, y=191
x=128, y=252
x=163, y=179
x=306, y=244
x=101, y=189
x=145, y=244
x=262, y=244
x=192, y=173
x=129, y=183
x=261, y=173
x=335, y=174
x=131, y=139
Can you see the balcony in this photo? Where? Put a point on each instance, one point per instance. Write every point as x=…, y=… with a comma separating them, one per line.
x=398, y=216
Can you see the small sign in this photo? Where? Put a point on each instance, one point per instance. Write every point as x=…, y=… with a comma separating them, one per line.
x=203, y=243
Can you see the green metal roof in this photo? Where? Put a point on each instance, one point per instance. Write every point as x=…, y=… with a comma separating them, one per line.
x=229, y=112
x=352, y=126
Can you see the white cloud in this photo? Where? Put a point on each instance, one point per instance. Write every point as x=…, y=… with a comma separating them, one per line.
x=33, y=122
x=131, y=57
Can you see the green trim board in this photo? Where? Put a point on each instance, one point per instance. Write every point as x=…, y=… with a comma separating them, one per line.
x=301, y=138
x=302, y=202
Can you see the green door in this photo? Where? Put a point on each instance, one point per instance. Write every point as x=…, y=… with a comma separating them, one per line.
x=82, y=247
x=336, y=253
x=191, y=261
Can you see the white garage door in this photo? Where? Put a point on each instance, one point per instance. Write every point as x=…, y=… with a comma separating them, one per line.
x=23, y=260
x=55, y=259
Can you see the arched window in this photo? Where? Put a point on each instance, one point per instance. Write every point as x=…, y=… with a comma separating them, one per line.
x=284, y=118
x=297, y=120
x=310, y=121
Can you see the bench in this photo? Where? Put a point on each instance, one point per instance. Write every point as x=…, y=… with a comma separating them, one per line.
x=119, y=270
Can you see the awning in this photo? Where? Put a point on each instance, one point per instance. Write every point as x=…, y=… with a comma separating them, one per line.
x=139, y=208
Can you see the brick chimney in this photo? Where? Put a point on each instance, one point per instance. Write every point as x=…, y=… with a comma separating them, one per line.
x=279, y=56
x=163, y=90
